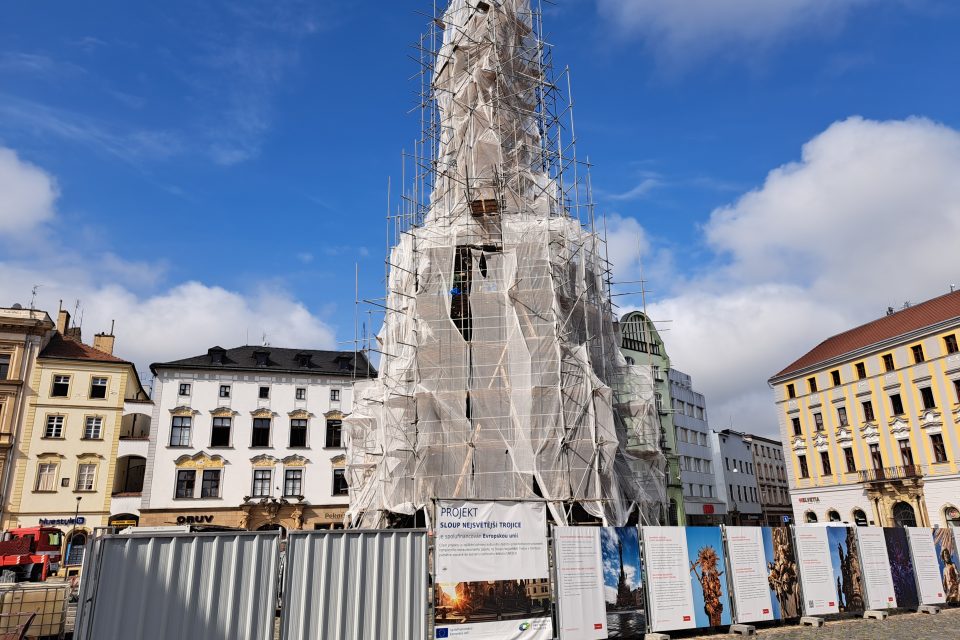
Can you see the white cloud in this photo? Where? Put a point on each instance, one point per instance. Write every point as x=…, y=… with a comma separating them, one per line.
x=153, y=323
x=28, y=194
x=681, y=29
x=867, y=218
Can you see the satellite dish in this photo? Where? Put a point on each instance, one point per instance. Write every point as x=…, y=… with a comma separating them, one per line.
x=17, y=306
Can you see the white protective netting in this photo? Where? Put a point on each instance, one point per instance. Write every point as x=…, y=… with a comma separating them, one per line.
x=501, y=375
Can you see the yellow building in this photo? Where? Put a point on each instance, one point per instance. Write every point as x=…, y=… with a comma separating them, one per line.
x=81, y=401
x=869, y=421
x=23, y=333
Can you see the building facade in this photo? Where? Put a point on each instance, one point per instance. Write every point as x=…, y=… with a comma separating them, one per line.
x=642, y=346
x=65, y=463
x=251, y=438
x=23, y=333
x=736, y=478
x=870, y=421
x=771, y=473
x=703, y=504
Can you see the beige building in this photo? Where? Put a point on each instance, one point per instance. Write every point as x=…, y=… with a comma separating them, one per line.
x=82, y=403
x=869, y=421
x=23, y=333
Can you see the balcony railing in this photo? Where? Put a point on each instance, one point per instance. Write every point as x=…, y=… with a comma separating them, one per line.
x=890, y=473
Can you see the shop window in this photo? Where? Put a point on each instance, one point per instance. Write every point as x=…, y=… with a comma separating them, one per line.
x=220, y=433
x=860, y=518
x=261, y=433
x=98, y=388
x=340, y=487
x=210, y=484
x=298, y=434
x=833, y=516
x=811, y=517
x=76, y=549
x=61, y=387
x=186, y=479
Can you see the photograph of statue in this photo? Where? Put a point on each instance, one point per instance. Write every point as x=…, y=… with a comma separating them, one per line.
x=845, y=556
x=949, y=565
x=782, y=573
x=622, y=581
x=707, y=573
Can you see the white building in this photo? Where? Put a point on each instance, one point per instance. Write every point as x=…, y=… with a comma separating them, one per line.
x=701, y=500
x=736, y=475
x=251, y=438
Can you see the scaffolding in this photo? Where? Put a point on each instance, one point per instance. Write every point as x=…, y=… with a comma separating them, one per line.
x=500, y=374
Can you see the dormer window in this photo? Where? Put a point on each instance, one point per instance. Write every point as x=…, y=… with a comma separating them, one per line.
x=262, y=358
x=303, y=360
x=217, y=355
x=343, y=363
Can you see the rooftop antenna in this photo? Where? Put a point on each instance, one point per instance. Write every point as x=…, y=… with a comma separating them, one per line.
x=953, y=288
x=264, y=341
x=33, y=295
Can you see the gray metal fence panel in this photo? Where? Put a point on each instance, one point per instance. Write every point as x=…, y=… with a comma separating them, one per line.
x=219, y=586
x=356, y=585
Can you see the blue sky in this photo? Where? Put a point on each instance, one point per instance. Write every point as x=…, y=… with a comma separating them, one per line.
x=209, y=172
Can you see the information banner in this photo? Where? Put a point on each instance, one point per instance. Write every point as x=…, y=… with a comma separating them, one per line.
x=816, y=571
x=925, y=564
x=623, y=590
x=901, y=567
x=580, y=583
x=783, y=573
x=875, y=562
x=492, y=571
x=947, y=557
x=686, y=571
x=749, y=574
x=847, y=571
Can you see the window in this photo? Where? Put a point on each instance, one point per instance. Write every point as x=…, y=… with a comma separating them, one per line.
x=93, y=428
x=917, y=353
x=210, y=484
x=301, y=393
x=264, y=393
x=804, y=469
x=340, y=487
x=180, y=431
x=811, y=517
x=46, y=476
x=868, y=411
x=184, y=389
x=261, y=432
x=835, y=376
x=906, y=453
x=726, y=461
x=818, y=420
x=875, y=456
x=939, y=450
x=926, y=393
x=797, y=429
x=950, y=343
x=61, y=387
x=731, y=491
x=334, y=434
x=888, y=364
x=86, y=473
x=54, y=428
x=298, y=434
x=4, y=366
x=956, y=388
x=851, y=462
x=185, y=483
x=842, y=416
x=812, y=383
x=220, y=433
x=98, y=388
x=739, y=493
x=261, y=482
x=292, y=483
x=861, y=371
x=896, y=403
x=224, y=391
x=825, y=463
x=334, y=395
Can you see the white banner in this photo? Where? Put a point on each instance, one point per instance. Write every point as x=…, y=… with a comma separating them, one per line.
x=816, y=572
x=492, y=571
x=926, y=565
x=668, y=569
x=749, y=575
x=580, y=588
x=875, y=561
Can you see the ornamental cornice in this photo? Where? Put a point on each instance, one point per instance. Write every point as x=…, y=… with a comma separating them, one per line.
x=870, y=433
x=223, y=412
x=334, y=415
x=844, y=434
x=295, y=461
x=201, y=460
x=821, y=443
x=263, y=413
x=931, y=421
x=183, y=411
x=300, y=414
x=264, y=461
x=338, y=462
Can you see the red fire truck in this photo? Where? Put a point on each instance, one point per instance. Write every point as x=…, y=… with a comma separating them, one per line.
x=32, y=553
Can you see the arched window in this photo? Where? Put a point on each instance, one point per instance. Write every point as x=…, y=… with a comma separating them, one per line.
x=76, y=548
x=860, y=518
x=833, y=515
x=952, y=515
x=904, y=515
x=811, y=517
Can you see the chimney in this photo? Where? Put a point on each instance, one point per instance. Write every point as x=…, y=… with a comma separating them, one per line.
x=104, y=342
x=63, y=321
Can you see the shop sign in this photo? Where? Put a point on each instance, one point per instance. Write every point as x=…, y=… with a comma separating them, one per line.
x=182, y=520
x=813, y=500
x=69, y=522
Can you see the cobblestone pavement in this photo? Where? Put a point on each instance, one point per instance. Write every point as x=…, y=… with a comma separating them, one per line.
x=912, y=626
